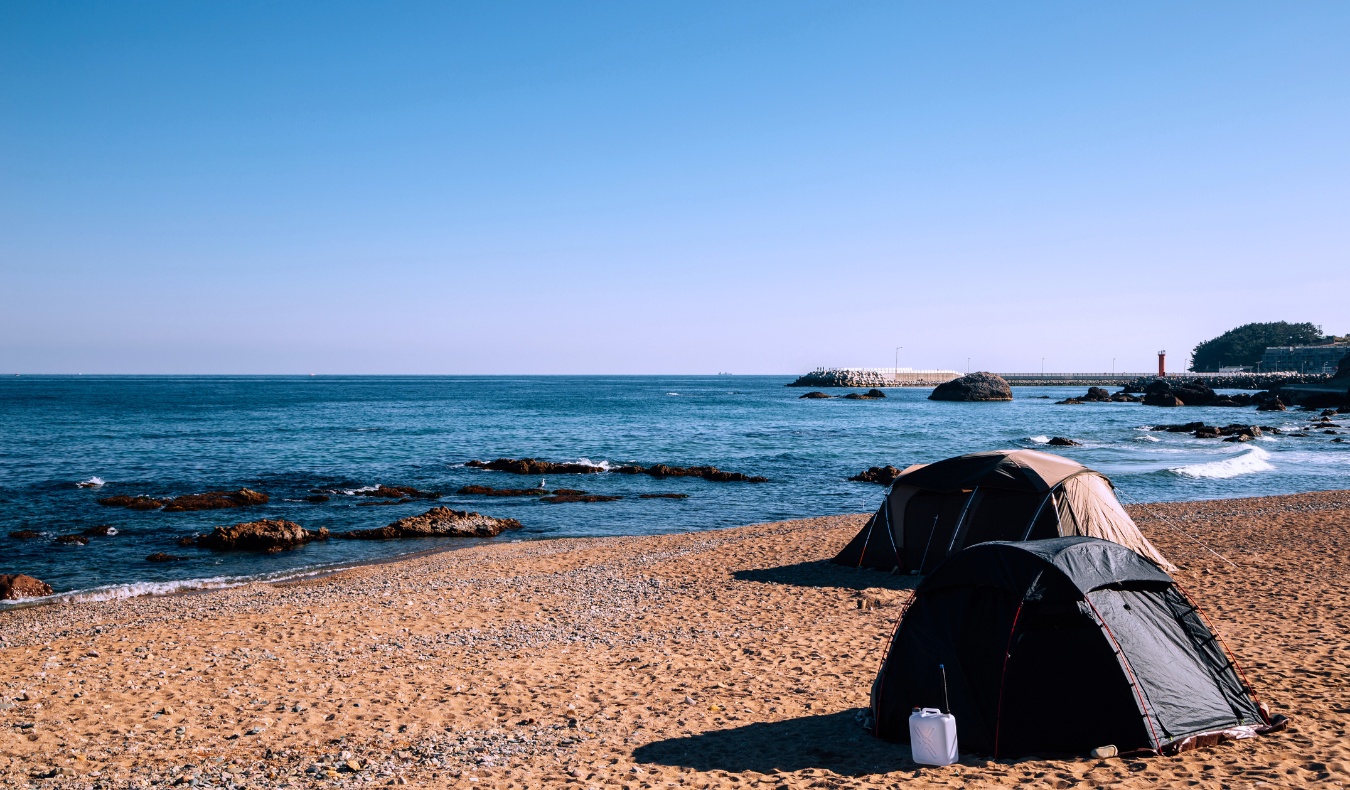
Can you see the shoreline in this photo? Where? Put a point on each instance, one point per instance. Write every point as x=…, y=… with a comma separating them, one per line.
x=727, y=657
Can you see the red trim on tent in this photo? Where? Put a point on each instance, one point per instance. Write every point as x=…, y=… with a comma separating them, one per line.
x=1007, y=653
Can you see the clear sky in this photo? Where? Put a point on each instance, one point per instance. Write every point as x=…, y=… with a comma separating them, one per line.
x=664, y=187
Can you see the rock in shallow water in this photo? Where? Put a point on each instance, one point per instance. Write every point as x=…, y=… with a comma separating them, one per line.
x=979, y=386
x=267, y=535
x=885, y=475
x=216, y=500
x=16, y=586
x=437, y=522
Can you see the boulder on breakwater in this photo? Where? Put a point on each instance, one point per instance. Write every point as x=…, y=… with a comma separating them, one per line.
x=842, y=377
x=437, y=522
x=17, y=586
x=979, y=386
x=267, y=535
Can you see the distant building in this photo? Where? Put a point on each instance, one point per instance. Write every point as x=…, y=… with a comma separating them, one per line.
x=1303, y=359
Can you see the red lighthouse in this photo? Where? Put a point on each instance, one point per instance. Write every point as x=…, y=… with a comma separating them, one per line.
x=1162, y=364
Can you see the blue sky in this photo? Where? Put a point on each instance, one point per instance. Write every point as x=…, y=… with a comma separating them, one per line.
x=494, y=187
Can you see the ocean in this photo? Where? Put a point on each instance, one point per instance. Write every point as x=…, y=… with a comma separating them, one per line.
x=290, y=436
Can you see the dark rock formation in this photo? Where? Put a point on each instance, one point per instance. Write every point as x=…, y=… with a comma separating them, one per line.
x=160, y=556
x=398, y=492
x=885, y=475
x=1060, y=441
x=663, y=496
x=1274, y=404
x=266, y=535
x=980, y=386
x=132, y=502
x=531, y=466
x=869, y=395
x=16, y=586
x=316, y=498
x=579, y=496
x=25, y=534
x=1186, y=427
x=215, y=500
x=438, y=522
x=814, y=396
x=100, y=530
x=1100, y=395
x=72, y=540
x=1162, y=399
x=490, y=491
x=711, y=473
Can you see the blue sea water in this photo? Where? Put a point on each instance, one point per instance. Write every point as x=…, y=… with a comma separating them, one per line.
x=287, y=436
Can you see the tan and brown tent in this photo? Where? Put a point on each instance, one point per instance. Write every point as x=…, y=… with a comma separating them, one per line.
x=933, y=511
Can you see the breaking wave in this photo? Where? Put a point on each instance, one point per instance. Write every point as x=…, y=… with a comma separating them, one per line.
x=93, y=482
x=1039, y=439
x=1249, y=461
x=113, y=592
x=1146, y=438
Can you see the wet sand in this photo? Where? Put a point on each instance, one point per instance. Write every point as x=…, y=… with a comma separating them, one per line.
x=733, y=658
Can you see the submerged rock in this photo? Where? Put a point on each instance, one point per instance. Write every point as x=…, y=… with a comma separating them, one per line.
x=100, y=530
x=663, y=496
x=531, y=466
x=1061, y=441
x=316, y=498
x=872, y=394
x=399, y=492
x=979, y=386
x=25, y=534
x=438, y=522
x=814, y=396
x=133, y=502
x=885, y=475
x=577, y=496
x=266, y=535
x=711, y=473
x=17, y=586
x=490, y=491
x=72, y=540
x=215, y=500
x=160, y=556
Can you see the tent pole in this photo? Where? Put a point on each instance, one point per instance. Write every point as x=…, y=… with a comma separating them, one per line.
x=931, y=532
x=961, y=522
x=1026, y=535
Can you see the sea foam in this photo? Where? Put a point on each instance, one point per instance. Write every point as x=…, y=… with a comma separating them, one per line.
x=1249, y=461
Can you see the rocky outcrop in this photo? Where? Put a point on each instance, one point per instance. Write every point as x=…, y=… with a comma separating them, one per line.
x=1100, y=395
x=577, y=496
x=663, y=496
x=25, y=534
x=267, y=535
x=17, y=586
x=72, y=540
x=1203, y=431
x=869, y=395
x=316, y=498
x=397, y=492
x=531, y=466
x=133, y=502
x=438, y=522
x=980, y=386
x=160, y=556
x=1162, y=399
x=1274, y=404
x=885, y=475
x=1060, y=441
x=215, y=500
x=710, y=473
x=490, y=491
x=815, y=396
x=100, y=530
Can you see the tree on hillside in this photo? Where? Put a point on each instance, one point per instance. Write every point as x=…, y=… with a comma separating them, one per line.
x=1244, y=345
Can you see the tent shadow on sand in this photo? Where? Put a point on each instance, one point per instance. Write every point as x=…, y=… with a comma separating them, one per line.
x=824, y=573
x=832, y=741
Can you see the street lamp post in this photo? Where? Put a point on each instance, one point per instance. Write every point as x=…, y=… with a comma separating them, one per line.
x=1042, y=367
x=897, y=362
x=1113, y=366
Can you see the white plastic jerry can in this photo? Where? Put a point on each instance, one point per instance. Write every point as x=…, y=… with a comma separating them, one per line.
x=932, y=736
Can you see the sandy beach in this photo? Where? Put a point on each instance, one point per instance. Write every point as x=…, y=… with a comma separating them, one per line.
x=730, y=658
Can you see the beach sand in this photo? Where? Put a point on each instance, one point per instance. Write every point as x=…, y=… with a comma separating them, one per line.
x=730, y=658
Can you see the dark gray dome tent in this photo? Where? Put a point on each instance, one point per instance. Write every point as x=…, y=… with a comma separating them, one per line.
x=1062, y=645
x=933, y=511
